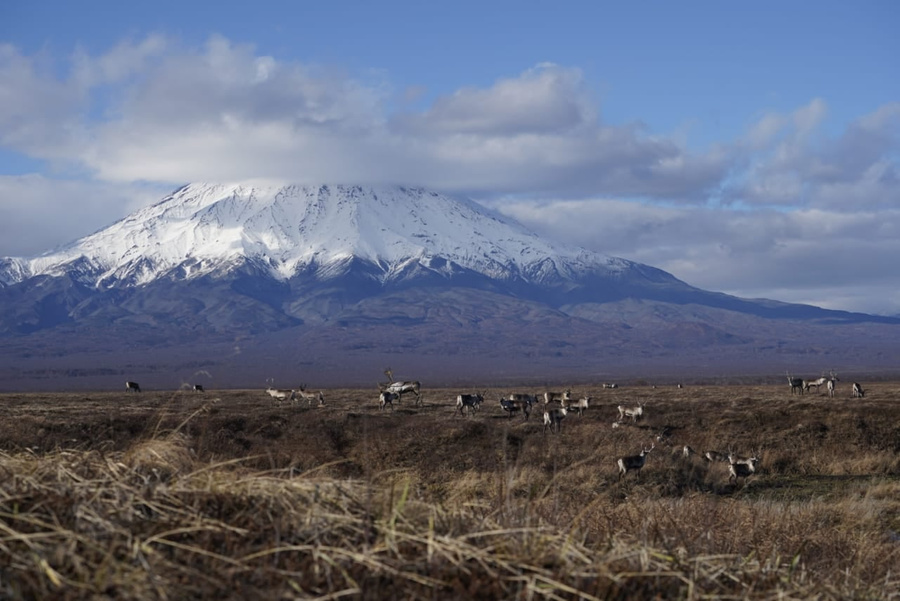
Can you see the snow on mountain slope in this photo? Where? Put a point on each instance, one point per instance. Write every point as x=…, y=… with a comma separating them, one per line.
x=204, y=228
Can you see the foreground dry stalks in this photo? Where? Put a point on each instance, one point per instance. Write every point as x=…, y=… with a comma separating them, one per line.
x=83, y=525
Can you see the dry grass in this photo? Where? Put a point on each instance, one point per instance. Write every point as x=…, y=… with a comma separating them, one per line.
x=225, y=495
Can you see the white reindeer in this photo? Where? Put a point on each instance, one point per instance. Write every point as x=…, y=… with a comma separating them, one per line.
x=281, y=394
x=858, y=391
x=470, y=402
x=635, y=413
x=553, y=418
x=560, y=397
x=741, y=467
x=633, y=462
x=807, y=384
x=580, y=405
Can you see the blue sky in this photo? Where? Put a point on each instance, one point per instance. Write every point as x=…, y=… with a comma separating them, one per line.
x=747, y=148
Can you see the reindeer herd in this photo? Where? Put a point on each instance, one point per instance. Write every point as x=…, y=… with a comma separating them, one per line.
x=800, y=385
x=555, y=407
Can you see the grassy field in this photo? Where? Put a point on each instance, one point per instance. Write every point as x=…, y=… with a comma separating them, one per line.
x=224, y=494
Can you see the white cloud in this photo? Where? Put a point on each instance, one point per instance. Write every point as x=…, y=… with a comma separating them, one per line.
x=792, y=164
x=831, y=259
x=39, y=213
x=153, y=111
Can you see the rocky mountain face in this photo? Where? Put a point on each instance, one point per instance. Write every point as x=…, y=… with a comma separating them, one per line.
x=246, y=283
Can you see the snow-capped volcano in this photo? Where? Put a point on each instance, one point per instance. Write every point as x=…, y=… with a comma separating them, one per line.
x=253, y=282
x=285, y=230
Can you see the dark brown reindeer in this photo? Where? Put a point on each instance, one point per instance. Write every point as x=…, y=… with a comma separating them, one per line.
x=633, y=462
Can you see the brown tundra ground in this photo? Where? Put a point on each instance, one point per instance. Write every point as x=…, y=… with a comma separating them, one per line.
x=225, y=494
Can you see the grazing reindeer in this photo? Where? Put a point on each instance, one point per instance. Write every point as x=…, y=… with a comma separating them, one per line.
x=554, y=417
x=796, y=384
x=635, y=413
x=198, y=388
x=606, y=385
x=741, y=468
x=807, y=384
x=858, y=391
x=309, y=396
x=388, y=398
x=514, y=406
x=633, y=462
x=580, y=405
x=401, y=388
x=560, y=397
x=832, y=384
x=469, y=401
x=281, y=394
x=132, y=387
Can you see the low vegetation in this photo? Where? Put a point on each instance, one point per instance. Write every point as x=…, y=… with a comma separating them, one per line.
x=225, y=494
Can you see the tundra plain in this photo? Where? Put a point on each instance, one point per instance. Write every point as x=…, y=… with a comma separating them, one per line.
x=228, y=494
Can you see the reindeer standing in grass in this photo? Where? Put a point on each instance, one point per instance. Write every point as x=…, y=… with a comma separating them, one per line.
x=832, y=384
x=400, y=388
x=796, y=384
x=633, y=462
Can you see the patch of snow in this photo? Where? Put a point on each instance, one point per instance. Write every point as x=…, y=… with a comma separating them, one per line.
x=205, y=227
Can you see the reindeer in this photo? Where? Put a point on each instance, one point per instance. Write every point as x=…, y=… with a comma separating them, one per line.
x=560, y=397
x=513, y=406
x=832, y=383
x=521, y=397
x=688, y=451
x=635, y=413
x=281, y=394
x=633, y=462
x=198, y=388
x=401, y=388
x=807, y=384
x=388, y=398
x=132, y=387
x=741, y=467
x=470, y=402
x=554, y=417
x=607, y=385
x=309, y=396
x=580, y=405
x=714, y=456
x=796, y=384
x=858, y=391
